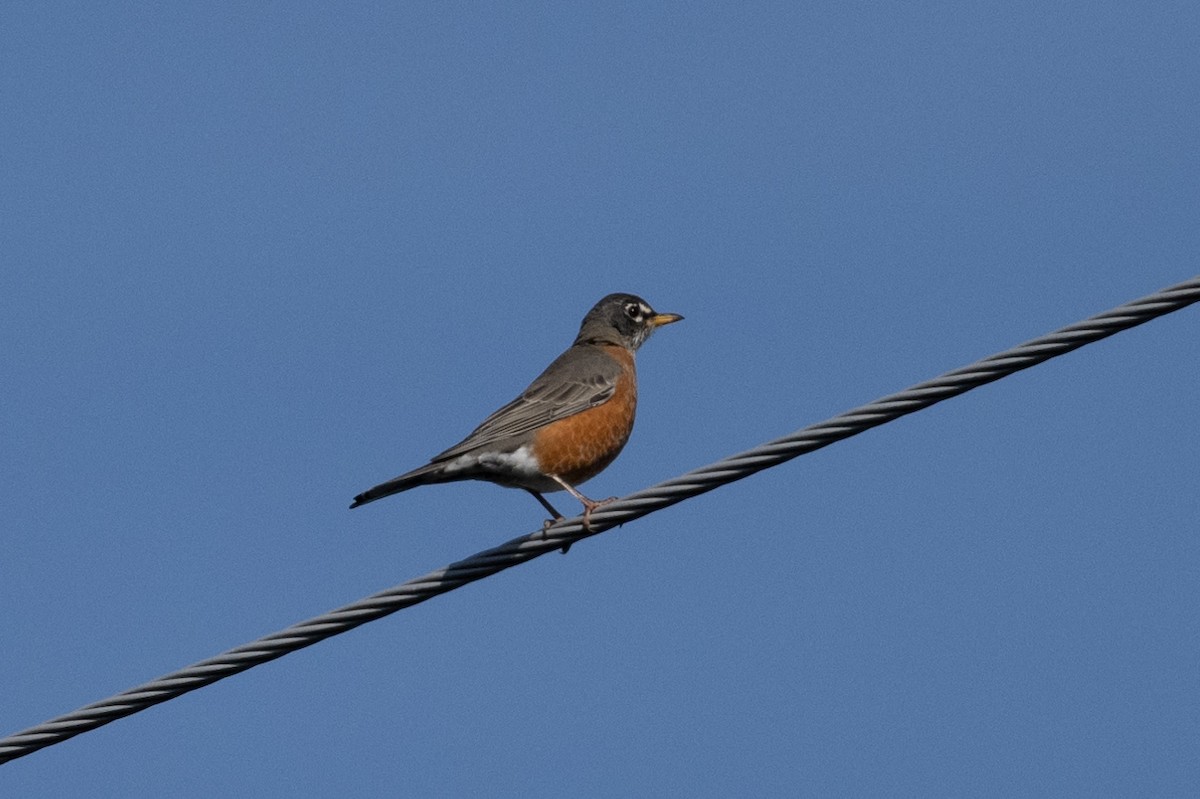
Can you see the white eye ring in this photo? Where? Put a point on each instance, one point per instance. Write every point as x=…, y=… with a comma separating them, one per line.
x=633, y=311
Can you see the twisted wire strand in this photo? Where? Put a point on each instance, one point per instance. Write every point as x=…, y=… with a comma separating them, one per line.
x=628, y=508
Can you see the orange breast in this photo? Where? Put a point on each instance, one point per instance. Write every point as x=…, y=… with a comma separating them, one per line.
x=581, y=446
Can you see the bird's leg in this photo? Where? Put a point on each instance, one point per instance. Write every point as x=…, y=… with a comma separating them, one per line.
x=589, y=505
x=547, y=524
x=554, y=513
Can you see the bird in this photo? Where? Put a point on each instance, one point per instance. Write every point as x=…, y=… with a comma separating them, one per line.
x=566, y=427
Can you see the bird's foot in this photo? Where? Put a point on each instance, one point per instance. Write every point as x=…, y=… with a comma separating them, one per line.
x=590, y=505
x=547, y=524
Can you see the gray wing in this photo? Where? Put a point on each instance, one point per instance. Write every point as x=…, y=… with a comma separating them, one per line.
x=568, y=386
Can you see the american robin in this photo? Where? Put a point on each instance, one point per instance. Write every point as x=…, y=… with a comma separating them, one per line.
x=570, y=423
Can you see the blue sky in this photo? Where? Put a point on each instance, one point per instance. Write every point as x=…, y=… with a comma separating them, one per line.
x=253, y=261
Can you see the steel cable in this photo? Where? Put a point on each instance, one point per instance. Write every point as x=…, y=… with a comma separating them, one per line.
x=628, y=508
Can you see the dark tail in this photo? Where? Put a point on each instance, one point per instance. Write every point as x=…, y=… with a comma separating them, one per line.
x=417, y=477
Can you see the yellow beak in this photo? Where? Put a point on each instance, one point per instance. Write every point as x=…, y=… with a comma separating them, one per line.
x=658, y=320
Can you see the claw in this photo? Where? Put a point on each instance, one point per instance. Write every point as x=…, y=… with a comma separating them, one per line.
x=590, y=505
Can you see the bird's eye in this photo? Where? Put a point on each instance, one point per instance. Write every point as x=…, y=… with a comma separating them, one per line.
x=633, y=311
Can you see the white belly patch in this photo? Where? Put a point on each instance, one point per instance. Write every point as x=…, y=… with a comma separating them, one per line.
x=520, y=467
